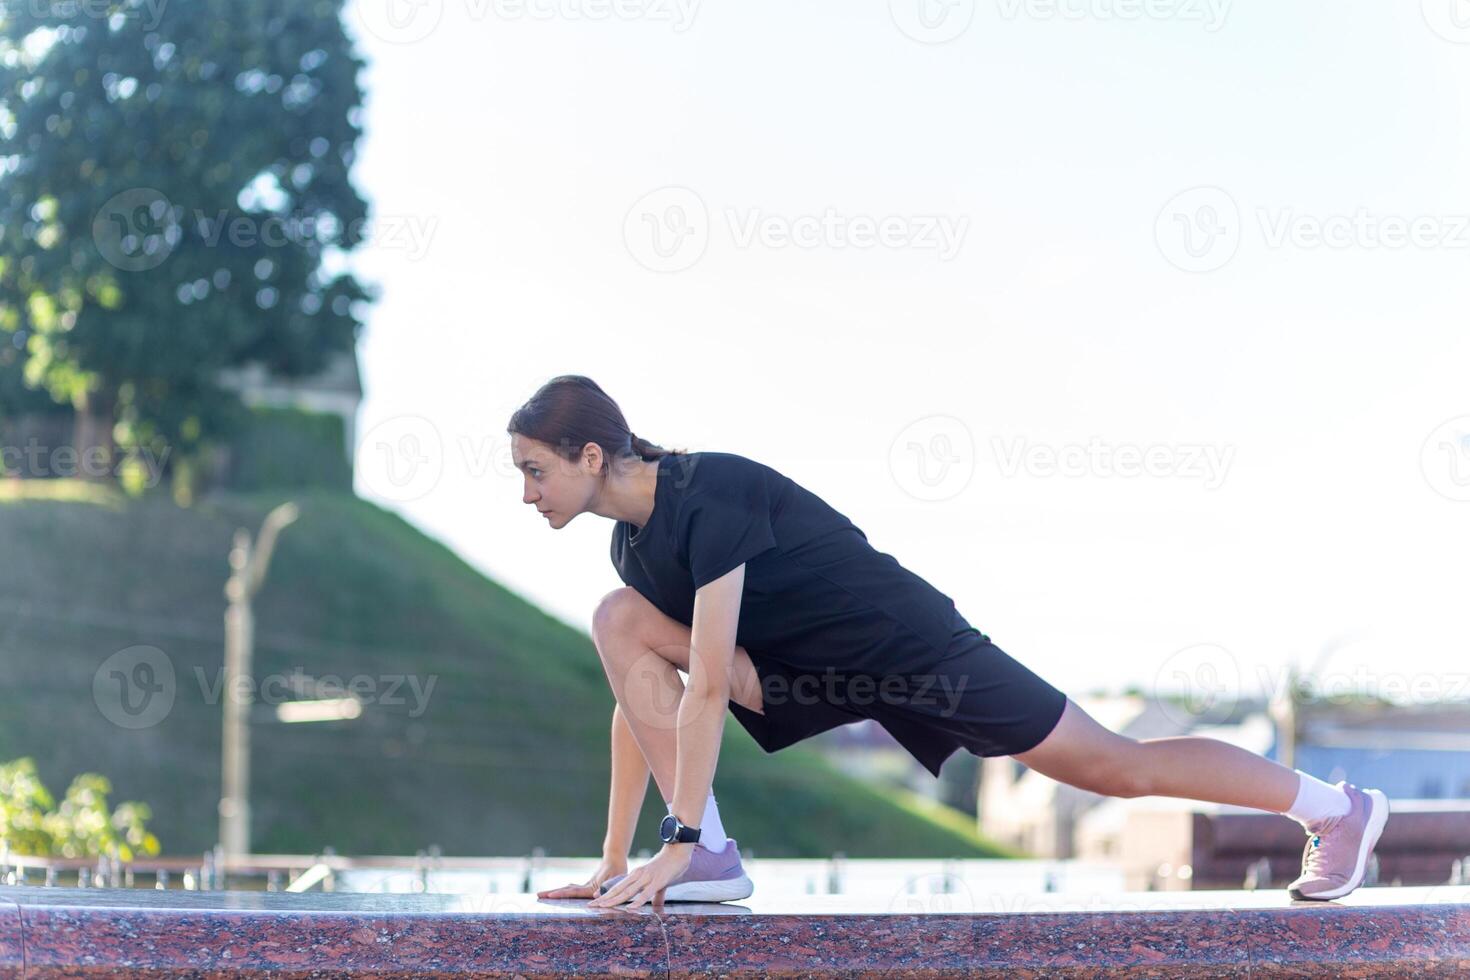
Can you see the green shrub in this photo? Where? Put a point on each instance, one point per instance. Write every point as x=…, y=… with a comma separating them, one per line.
x=288, y=447
x=32, y=824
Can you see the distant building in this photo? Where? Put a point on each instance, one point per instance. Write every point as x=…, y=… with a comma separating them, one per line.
x=334, y=390
x=301, y=431
x=1419, y=752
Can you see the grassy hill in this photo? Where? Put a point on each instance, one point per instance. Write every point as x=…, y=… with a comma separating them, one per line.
x=511, y=751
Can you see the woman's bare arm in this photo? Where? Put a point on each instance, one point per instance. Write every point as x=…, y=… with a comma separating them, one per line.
x=701, y=719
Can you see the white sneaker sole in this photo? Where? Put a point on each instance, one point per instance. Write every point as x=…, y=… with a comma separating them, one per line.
x=725, y=890
x=1376, y=819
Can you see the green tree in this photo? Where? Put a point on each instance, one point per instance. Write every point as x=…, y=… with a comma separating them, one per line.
x=174, y=198
x=82, y=826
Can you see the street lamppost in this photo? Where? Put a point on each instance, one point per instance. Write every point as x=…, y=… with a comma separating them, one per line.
x=248, y=564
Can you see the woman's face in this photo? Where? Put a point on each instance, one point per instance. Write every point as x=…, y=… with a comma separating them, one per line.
x=558, y=488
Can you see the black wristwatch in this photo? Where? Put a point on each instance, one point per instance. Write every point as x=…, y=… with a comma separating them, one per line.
x=671, y=831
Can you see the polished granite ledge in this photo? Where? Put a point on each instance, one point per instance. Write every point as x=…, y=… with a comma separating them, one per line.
x=70, y=932
x=12, y=960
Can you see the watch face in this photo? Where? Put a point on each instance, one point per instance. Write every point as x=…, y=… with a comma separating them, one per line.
x=667, y=827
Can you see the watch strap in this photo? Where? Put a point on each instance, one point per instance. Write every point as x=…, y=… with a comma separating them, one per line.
x=683, y=833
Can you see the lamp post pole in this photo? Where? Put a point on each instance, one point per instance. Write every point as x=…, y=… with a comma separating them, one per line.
x=248, y=565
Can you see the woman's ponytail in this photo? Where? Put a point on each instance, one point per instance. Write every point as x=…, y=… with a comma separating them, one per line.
x=571, y=410
x=646, y=450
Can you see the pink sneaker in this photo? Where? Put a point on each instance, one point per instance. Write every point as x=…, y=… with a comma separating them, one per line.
x=1336, y=856
x=710, y=877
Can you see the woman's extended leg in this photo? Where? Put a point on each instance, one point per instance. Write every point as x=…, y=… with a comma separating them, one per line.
x=1083, y=753
x=1342, y=822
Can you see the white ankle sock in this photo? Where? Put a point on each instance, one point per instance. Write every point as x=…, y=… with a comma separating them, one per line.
x=711, y=831
x=1316, y=800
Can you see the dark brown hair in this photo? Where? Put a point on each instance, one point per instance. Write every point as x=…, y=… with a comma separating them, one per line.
x=570, y=410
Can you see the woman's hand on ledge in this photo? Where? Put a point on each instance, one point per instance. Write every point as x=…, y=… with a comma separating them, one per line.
x=607, y=869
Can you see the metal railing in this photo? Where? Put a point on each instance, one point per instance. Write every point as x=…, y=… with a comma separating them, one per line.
x=324, y=871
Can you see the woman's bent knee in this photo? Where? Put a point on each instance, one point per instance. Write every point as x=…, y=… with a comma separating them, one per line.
x=625, y=612
x=617, y=613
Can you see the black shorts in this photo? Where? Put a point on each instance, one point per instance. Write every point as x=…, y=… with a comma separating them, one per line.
x=975, y=697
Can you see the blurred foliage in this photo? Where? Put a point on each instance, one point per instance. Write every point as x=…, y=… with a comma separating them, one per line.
x=16, y=397
x=174, y=189
x=82, y=826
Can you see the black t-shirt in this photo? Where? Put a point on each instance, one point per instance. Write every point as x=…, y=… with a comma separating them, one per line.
x=817, y=594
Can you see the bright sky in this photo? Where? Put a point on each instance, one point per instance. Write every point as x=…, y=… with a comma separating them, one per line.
x=960, y=269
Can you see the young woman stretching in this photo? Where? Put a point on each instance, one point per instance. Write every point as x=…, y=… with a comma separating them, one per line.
x=775, y=605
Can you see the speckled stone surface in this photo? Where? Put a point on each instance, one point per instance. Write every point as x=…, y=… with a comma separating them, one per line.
x=117, y=933
x=11, y=959
x=68, y=932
